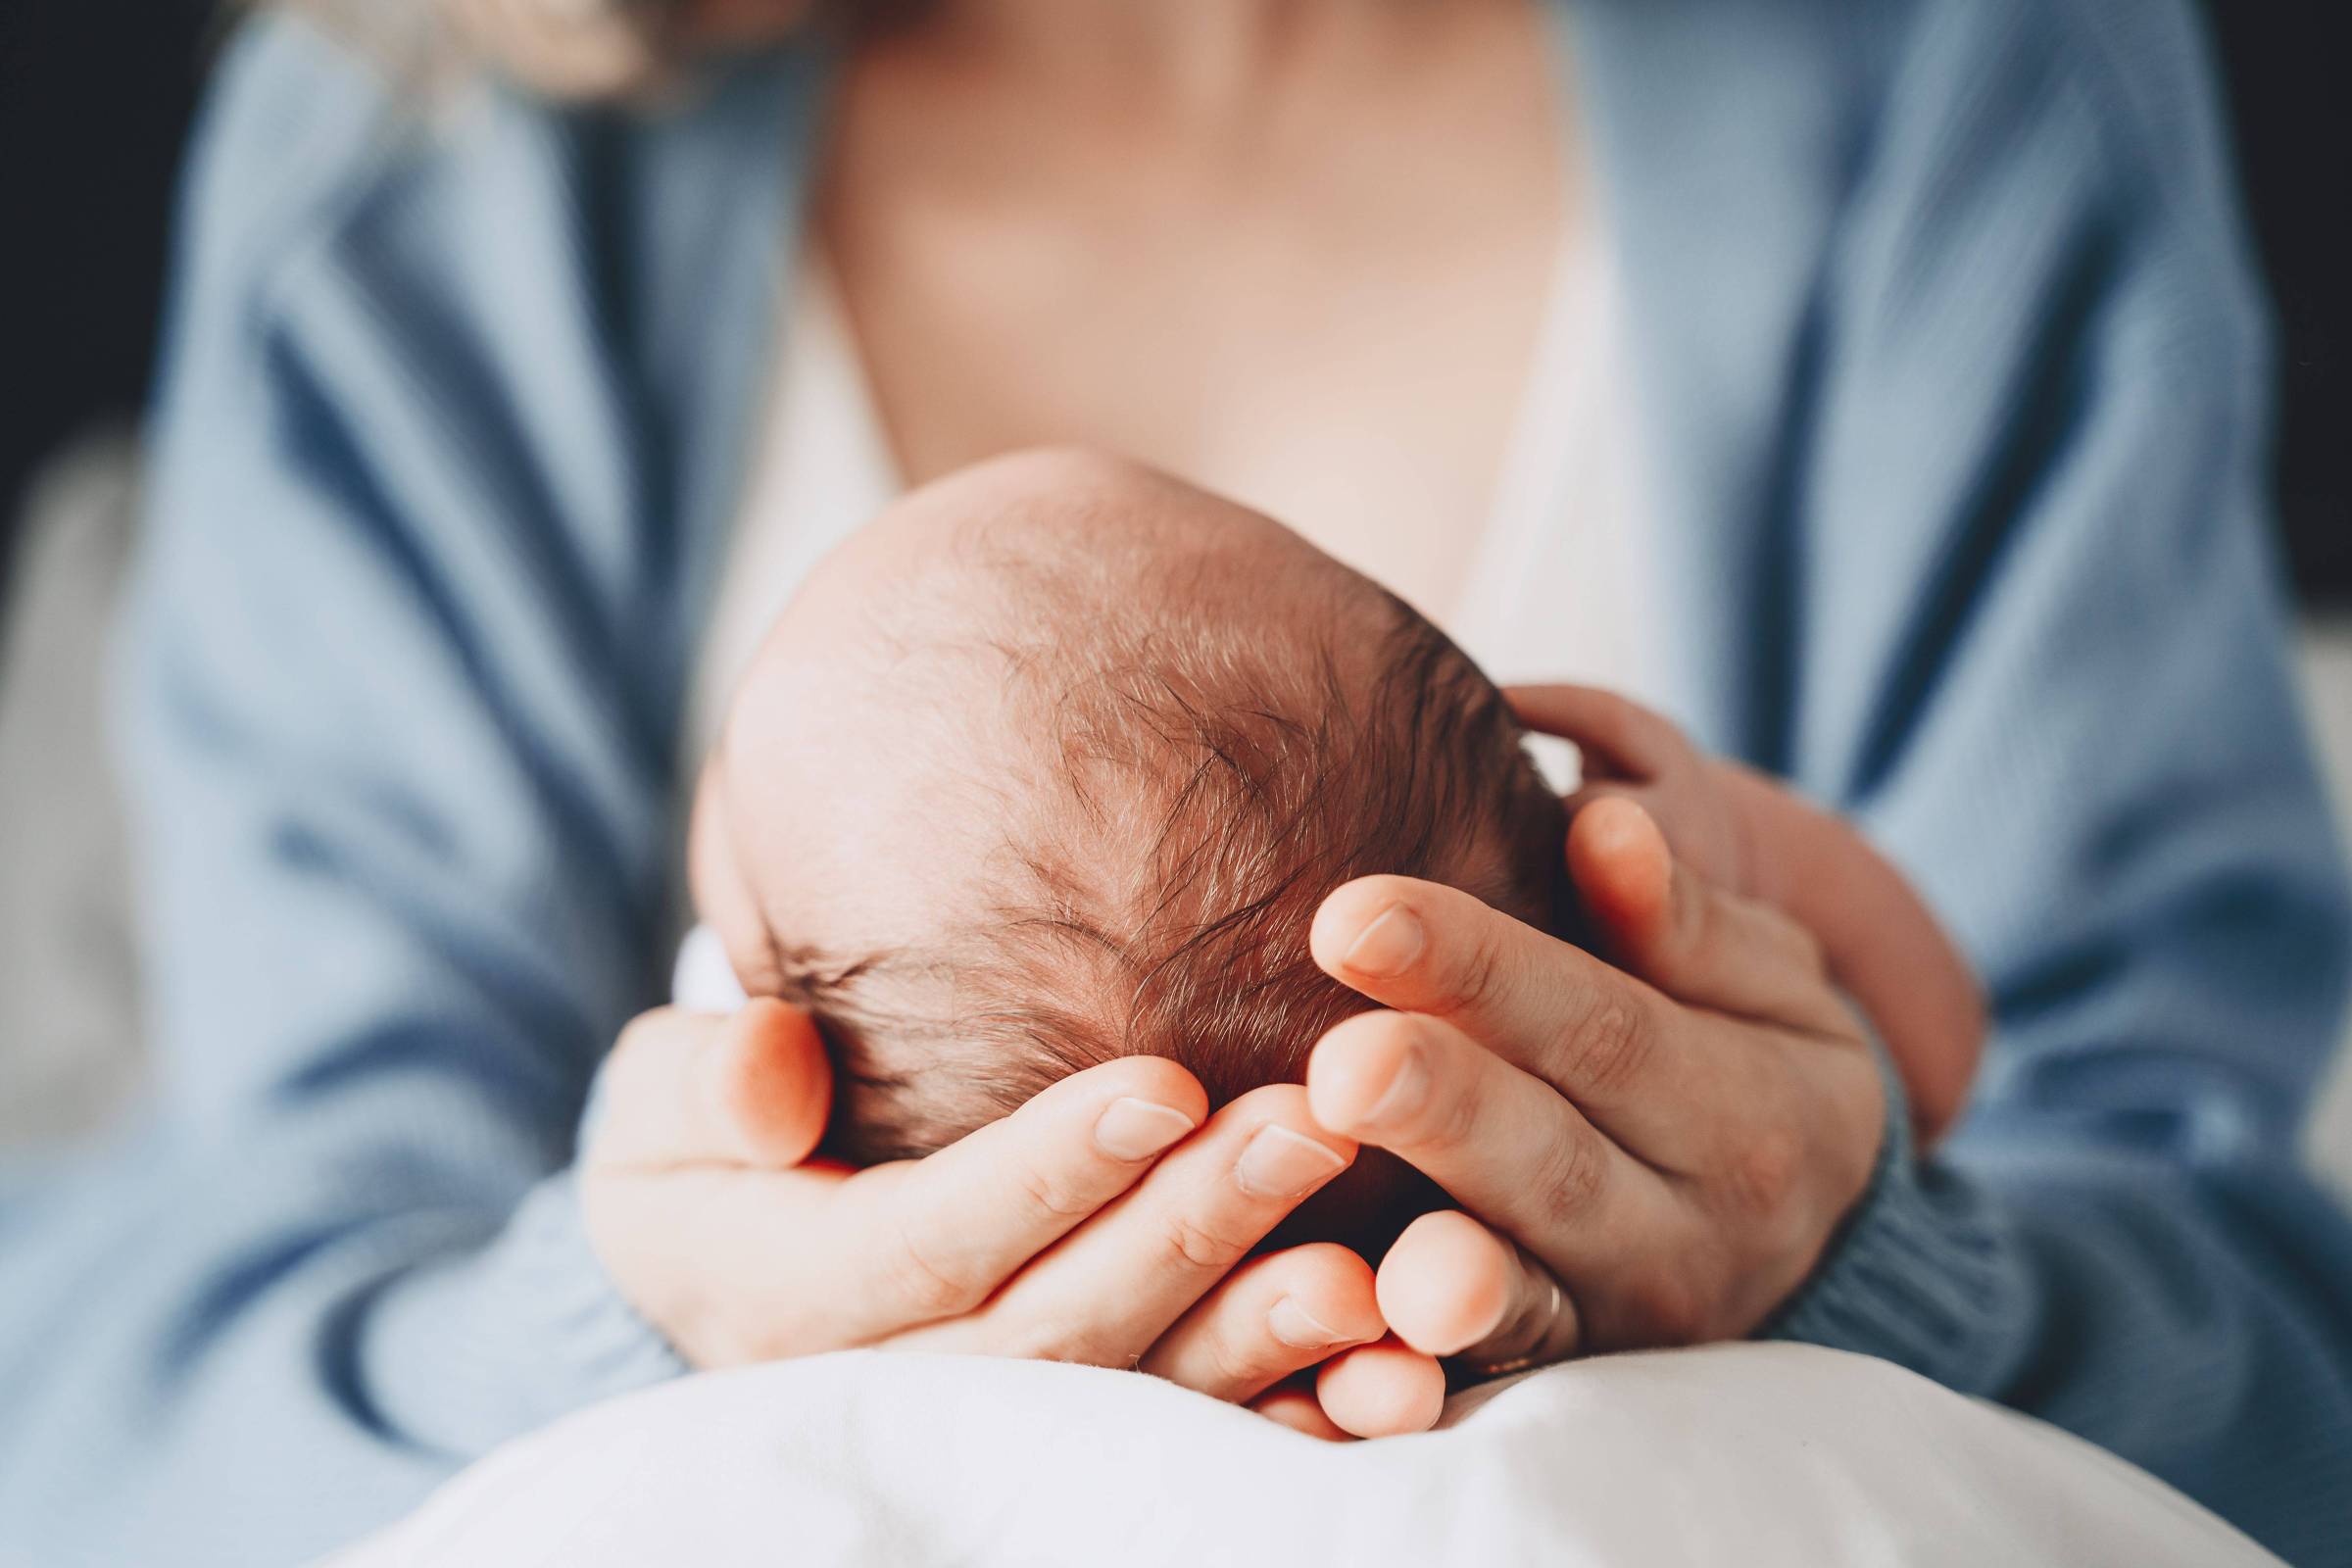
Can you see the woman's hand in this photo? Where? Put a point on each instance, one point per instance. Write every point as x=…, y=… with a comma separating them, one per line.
x=1741, y=833
x=1106, y=1221
x=1656, y=1154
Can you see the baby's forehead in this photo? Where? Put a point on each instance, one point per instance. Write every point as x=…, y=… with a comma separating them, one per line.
x=973, y=599
x=1049, y=538
x=942, y=693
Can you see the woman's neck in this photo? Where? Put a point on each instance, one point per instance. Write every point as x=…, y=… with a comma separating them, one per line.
x=1203, y=54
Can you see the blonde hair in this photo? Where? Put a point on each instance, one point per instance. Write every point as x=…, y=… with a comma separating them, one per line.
x=565, y=48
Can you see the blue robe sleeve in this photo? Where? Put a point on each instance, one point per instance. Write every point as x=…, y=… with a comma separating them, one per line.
x=2044, y=660
x=404, y=816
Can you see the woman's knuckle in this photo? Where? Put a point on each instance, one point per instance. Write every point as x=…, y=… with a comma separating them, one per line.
x=923, y=1285
x=1199, y=1245
x=1612, y=1045
x=1763, y=1170
x=1056, y=1193
x=1569, y=1182
x=1235, y=1362
x=1449, y=1121
x=1480, y=976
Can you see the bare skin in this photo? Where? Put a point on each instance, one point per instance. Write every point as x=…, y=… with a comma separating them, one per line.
x=889, y=832
x=1027, y=1237
x=1294, y=252
x=1740, y=833
x=1656, y=1152
x=1379, y=399
x=871, y=842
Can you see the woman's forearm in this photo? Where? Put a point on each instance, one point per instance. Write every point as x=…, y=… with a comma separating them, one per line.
x=319, y=1363
x=2129, y=1297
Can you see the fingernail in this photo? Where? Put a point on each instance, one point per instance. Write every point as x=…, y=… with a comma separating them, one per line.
x=1295, y=1326
x=1388, y=946
x=1406, y=1091
x=1132, y=1128
x=1281, y=1163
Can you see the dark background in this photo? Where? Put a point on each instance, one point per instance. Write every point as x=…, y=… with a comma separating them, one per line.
x=95, y=97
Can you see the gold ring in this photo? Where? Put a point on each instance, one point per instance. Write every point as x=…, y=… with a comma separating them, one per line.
x=1533, y=1358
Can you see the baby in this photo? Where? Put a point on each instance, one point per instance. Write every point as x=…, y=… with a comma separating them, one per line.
x=1054, y=762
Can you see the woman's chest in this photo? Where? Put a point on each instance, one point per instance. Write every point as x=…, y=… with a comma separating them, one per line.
x=1330, y=314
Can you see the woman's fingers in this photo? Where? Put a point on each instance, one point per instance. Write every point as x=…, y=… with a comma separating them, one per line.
x=1271, y=1317
x=1451, y=1286
x=1384, y=1389
x=1619, y=739
x=1294, y=1405
x=1698, y=944
x=733, y=1266
x=1112, y=1288
x=739, y=1264
x=681, y=1088
x=1451, y=1281
x=940, y=1234
x=1504, y=1144
x=1598, y=1036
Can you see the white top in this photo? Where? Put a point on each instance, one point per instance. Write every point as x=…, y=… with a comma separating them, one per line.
x=1559, y=586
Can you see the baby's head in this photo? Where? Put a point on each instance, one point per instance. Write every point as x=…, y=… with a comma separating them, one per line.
x=1054, y=762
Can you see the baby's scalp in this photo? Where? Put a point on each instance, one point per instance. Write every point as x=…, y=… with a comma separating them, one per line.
x=1054, y=764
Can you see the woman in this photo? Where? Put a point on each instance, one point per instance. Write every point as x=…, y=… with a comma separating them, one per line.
x=1893, y=422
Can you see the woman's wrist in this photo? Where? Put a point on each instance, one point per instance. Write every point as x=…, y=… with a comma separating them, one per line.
x=614, y=1344
x=526, y=1322
x=1922, y=1272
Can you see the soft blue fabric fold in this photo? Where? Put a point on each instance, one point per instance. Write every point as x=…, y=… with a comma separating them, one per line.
x=1952, y=373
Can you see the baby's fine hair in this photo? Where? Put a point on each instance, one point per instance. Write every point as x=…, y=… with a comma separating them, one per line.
x=1192, y=780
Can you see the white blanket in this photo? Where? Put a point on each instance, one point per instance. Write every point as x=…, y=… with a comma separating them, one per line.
x=1756, y=1454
